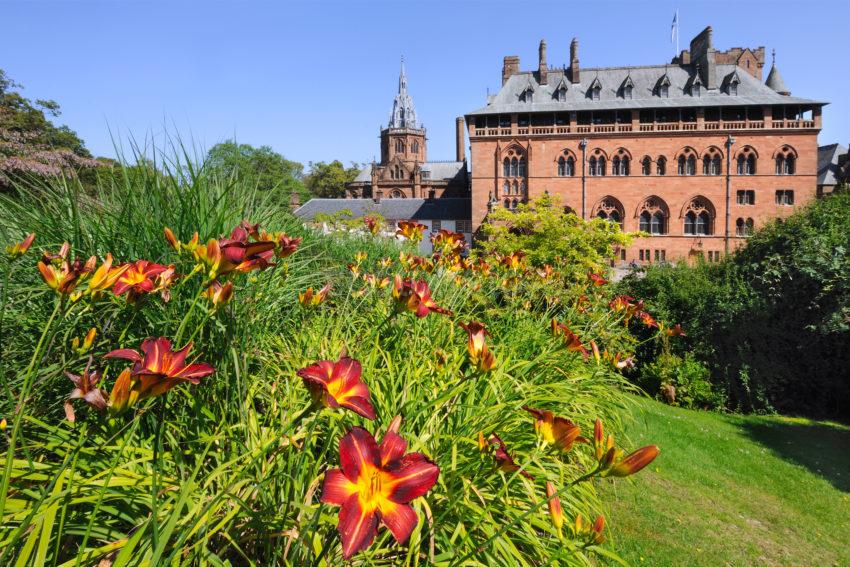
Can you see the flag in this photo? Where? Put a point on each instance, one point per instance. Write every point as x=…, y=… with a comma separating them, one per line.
x=673, y=26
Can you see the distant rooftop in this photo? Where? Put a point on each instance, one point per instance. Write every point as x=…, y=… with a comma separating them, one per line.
x=398, y=209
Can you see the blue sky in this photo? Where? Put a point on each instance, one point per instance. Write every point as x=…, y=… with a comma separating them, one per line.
x=315, y=80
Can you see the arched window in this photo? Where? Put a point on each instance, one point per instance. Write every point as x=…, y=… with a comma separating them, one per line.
x=521, y=187
x=712, y=163
x=566, y=164
x=513, y=164
x=396, y=194
x=399, y=147
x=661, y=165
x=652, y=215
x=744, y=227
x=514, y=204
x=415, y=147
x=562, y=167
x=687, y=162
x=698, y=217
x=620, y=163
x=521, y=167
x=786, y=161
x=591, y=166
x=515, y=188
x=610, y=209
x=746, y=161
x=506, y=169
x=514, y=167
x=507, y=203
x=646, y=165
x=506, y=188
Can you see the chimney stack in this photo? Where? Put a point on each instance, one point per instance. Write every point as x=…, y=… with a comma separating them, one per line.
x=294, y=201
x=542, y=68
x=510, y=66
x=460, y=133
x=574, y=72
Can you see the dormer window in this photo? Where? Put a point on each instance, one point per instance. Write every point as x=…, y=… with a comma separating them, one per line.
x=594, y=90
x=594, y=93
x=527, y=95
x=733, y=89
x=695, y=89
x=561, y=94
x=664, y=91
x=627, y=91
x=627, y=88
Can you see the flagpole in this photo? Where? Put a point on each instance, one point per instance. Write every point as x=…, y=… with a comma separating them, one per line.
x=677, y=33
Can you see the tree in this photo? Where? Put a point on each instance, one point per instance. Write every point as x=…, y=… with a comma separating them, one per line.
x=30, y=144
x=549, y=235
x=328, y=179
x=269, y=170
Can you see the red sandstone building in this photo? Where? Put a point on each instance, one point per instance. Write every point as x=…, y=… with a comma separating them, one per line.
x=697, y=152
x=404, y=170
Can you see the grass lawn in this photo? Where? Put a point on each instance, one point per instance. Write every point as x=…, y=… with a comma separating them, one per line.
x=734, y=490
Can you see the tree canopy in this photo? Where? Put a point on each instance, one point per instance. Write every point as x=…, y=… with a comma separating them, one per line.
x=262, y=166
x=328, y=179
x=30, y=144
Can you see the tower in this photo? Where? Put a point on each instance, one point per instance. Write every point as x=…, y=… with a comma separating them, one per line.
x=404, y=137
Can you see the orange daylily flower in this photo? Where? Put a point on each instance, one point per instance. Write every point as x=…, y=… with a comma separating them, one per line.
x=448, y=243
x=140, y=277
x=376, y=282
x=375, y=484
x=105, y=276
x=61, y=274
x=155, y=371
x=504, y=461
x=87, y=341
x=546, y=272
x=309, y=298
x=479, y=353
x=514, y=260
x=411, y=230
x=172, y=240
x=571, y=340
x=18, y=249
x=633, y=462
x=554, y=430
x=241, y=255
x=675, y=331
x=385, y=262
x=219, y=294
x=339, y=384
x=415, y=297
x=647, y=319
x=556, y=513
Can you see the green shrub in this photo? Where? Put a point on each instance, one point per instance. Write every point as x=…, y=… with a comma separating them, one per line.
x=688, y=377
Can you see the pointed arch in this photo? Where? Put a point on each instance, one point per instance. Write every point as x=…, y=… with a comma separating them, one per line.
x=698, y=215
x=785, y=158
x=566, y=163
x=653, y=215
x=712, y=161
x=609, y=208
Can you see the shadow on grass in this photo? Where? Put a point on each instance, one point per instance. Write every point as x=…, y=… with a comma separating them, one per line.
x=823, y=449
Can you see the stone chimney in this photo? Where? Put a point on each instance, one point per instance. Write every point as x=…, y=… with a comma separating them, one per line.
x=703, y=56
x=294, y=201
x=542, y=68
x=460, y=133
x=510, y=66
x=574, y=72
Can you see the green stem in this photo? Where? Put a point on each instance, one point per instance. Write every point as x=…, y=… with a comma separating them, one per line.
x=155, y=480
x=187, y=316
x=3, y=300
x=19, y=410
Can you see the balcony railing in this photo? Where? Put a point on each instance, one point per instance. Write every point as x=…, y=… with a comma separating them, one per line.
x=653, y=127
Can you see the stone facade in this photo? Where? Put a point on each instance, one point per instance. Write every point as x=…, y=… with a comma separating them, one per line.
x=694, y=152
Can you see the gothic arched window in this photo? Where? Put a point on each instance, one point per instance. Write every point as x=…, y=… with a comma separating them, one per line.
x=652, y=215
x=620, y=163
x=415, y=147
x=661, y=166
x=786, y=161
x=687, y=162
x=610, y=209
x=712, y=163
x=747, y=161
x=698, y=217
x=399, y=147
x=646, y=165
x=506, y=170
x=514, y=167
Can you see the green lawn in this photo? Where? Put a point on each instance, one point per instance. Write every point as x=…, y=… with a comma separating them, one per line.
x=734, y=490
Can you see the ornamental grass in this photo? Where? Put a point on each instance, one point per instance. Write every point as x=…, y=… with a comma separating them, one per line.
x=211, y=419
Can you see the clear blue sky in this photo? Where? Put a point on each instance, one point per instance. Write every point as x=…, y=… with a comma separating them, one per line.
x=315, y=80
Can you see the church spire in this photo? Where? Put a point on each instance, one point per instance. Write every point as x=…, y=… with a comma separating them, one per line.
x=774, y=79
x=403, y=114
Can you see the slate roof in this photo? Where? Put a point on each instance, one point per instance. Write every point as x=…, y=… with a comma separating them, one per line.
x=645, y=79
x=775, y=81
x=398, y=209
x=439, y=171
x=828, y=163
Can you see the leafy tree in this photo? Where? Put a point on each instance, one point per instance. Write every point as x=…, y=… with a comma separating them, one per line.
x=30, y=144
x=549, y=235
x=262, y=166
x=772, y=323
x=328, y=179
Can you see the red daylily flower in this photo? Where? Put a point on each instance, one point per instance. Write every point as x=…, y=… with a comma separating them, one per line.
x=647, y=319
x=675, y=331
x=85, y=388
x=62, y=275
x=139, y=277
x=571, y=340
x=557, y=431
x=375, y=484
x=596, y=279
x=411, y=230
x=504, y=461
x=105, y=276
x=158, y=368
x=415, y=297
x=339, y=384
x=240, y=255
x=372, y=225
x=18, y=249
